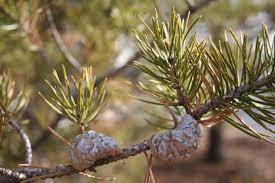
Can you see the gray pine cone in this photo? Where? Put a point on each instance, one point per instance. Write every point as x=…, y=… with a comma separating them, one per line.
x=177, y=144
x=89, y=147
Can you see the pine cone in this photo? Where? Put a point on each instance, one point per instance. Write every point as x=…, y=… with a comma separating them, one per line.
x=177, y=144
x=89, y=147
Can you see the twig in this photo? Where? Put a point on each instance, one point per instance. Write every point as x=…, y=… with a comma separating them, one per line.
x=112, y=73
x=147, y=175
x=32, y=166
x=33, y=174
x=25, y=139
x=50, y=174
x=150, y=175
x=59, y=136
x=233, y=94
x=63, y=49
x=45, y=134
x=14, y=176
x=144, y=145
x=97, y=178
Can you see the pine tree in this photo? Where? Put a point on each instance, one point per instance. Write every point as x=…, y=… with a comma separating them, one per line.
x=200, y=83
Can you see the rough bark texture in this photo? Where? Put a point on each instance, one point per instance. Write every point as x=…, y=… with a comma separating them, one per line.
x=117, y=70
x=26, y=141
x=32, y=174
x=233, y=94
x=7, y=175
x=36, y=173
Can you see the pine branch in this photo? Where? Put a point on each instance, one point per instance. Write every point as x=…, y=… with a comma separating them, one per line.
x=25, y=139
x=114, y=72
x=11, y=176
x=63, y=49
x=170, y=61
x=32, y=174
x=217, y=69
x=12, y=105
x=233, y=94
x=222, y=79
x=81, y=107
x=137, y=55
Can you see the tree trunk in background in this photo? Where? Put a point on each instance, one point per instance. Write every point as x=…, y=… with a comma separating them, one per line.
x=214, y=153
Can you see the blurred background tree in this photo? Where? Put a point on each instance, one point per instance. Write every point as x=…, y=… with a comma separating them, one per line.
x=98, y=33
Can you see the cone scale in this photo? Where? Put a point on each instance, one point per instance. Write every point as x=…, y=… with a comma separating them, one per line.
x=89, y=147
x=177, y=144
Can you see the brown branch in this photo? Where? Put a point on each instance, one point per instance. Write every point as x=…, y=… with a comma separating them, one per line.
x=149, y=177
x=231, y=95
x=97, y=178
x=115, y=71
x=59, y=136
x=25, y=139
x=32, y=174
x=144, y=145
x=112, y=73
x=63, y=49
x=35, y=174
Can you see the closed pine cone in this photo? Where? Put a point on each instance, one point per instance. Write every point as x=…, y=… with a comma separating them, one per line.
x=89, y=147
x=177, y=144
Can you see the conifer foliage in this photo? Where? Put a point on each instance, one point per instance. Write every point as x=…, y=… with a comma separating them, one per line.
x=211, y=81
x=79, y=101
x=202, y=82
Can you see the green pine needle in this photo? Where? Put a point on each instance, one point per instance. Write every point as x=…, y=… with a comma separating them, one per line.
x=210, y=80
x=80, y=102
x=12, y=102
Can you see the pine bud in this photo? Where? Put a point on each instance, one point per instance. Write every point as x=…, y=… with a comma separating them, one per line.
x=177, y=144
x=89, y=147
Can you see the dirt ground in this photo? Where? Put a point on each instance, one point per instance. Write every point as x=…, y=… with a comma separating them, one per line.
x=245, y=161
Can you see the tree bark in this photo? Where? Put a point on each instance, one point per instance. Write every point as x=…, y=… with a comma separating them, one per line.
x=214, y=152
